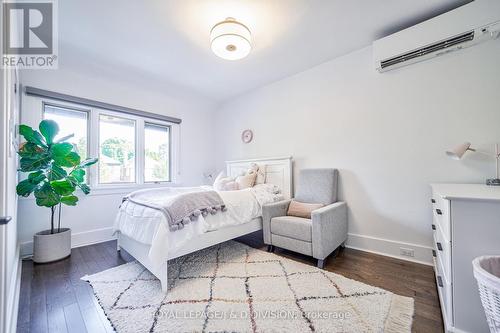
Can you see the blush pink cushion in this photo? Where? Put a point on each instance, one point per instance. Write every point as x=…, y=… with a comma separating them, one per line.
x=302, y=209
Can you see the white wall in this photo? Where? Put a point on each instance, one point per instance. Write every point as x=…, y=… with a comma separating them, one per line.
x=386, y=133
x=92, y=219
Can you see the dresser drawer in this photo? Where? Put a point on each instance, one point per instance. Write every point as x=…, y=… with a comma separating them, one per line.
x=445, y=293
x=441, y=214
x=442, y=247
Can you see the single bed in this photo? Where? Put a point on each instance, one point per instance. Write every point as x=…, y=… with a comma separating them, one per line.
x=141, y=231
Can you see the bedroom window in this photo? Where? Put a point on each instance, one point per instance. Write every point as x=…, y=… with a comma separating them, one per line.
x=156, y=153
x=117, y=149
x=135, y=148
x=71, y=121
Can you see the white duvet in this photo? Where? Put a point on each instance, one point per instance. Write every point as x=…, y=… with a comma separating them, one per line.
x=149, y=226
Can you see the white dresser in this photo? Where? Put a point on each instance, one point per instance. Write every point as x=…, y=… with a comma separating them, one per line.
x=466, y=224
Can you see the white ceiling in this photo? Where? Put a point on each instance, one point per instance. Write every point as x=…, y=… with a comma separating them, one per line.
x=167, y=42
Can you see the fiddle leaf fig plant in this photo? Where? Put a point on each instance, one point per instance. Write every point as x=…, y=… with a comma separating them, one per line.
x=55, y=169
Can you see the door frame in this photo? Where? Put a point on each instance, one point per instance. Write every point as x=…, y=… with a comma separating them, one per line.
x=10, y=274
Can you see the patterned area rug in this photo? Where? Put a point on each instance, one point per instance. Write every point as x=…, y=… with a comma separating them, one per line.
x=231, y=287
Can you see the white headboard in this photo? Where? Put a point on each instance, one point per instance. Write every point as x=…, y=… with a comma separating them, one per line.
x=278, y=171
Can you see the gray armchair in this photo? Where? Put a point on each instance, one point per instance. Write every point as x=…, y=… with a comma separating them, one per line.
x=318, y=236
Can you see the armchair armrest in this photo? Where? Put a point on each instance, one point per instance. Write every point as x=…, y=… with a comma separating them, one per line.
x=269, y=211
x=329, y=229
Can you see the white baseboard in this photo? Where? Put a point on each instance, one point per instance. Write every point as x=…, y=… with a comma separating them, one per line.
x=390, y=248
x=385, y=247
x=77, y=239
x=13, y=296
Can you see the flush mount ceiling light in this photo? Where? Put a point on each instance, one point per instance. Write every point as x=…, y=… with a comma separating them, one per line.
x=230, y=39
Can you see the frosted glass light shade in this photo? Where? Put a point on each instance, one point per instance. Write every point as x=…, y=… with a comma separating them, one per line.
x=459, y=151
x=230, y=39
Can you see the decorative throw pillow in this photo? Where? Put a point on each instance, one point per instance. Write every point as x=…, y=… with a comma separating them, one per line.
x=259, y=172
x=246, y=181
x=302, y=209
x=222, y=183
x=231, y=186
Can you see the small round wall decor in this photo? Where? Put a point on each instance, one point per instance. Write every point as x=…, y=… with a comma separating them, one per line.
x=247, y=136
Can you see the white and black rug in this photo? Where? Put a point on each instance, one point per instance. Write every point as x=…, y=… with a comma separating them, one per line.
x=231, y=287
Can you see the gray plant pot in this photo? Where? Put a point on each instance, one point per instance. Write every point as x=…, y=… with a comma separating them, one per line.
x=49, y=247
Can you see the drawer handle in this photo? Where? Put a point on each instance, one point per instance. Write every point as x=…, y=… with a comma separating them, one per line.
x=440, y=281
x=439, y=246
x=433, y=201
x=433, y=227
x=434, y=253
x=438, y=211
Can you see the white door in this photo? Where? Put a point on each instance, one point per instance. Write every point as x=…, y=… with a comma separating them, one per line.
x=9, y=252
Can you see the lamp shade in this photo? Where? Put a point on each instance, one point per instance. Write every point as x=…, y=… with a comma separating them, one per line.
x=459, y=151
x=230, y=39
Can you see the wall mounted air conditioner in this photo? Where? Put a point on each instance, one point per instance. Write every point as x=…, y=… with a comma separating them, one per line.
x=463, y=27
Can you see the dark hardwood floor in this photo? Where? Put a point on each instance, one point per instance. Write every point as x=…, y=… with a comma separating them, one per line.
x=54, y=299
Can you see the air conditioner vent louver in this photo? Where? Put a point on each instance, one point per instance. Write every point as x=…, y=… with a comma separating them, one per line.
x=442, y=45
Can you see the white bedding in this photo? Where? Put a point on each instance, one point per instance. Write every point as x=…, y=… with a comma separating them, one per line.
x=149, y=226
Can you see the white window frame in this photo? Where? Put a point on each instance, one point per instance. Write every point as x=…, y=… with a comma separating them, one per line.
x=93, y=147
x=160, y=124
x=64, y=106
x=97, y=148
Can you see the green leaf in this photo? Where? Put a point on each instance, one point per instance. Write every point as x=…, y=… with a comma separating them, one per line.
x=31, y=135
x=84, y=187
x=25, y=187
x=30, y=149
x=70, y=160
x=46, y=196
x=36, y=177
x=62, y=187
x=88, y=162
x=78, y=174
x=60, y=150
x=28, y=164
x=49, y=130
x=25, y=131
x=56, y=172
x=70, y=200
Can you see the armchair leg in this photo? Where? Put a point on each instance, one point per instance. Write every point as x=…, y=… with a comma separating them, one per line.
x=335, y=253
x=270, y=248
x=321, y=263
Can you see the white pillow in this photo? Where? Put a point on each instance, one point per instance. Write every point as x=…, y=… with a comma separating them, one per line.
x=222, y=183
x=231, y=186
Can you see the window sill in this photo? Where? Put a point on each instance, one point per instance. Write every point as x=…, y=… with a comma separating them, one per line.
x=126, y=188
x=114, y=189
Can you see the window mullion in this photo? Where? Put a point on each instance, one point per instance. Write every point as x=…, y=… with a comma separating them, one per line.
x=94, y=146
x=140, y=152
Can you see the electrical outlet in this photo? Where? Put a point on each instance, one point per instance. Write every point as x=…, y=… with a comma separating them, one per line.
x=406, y=252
